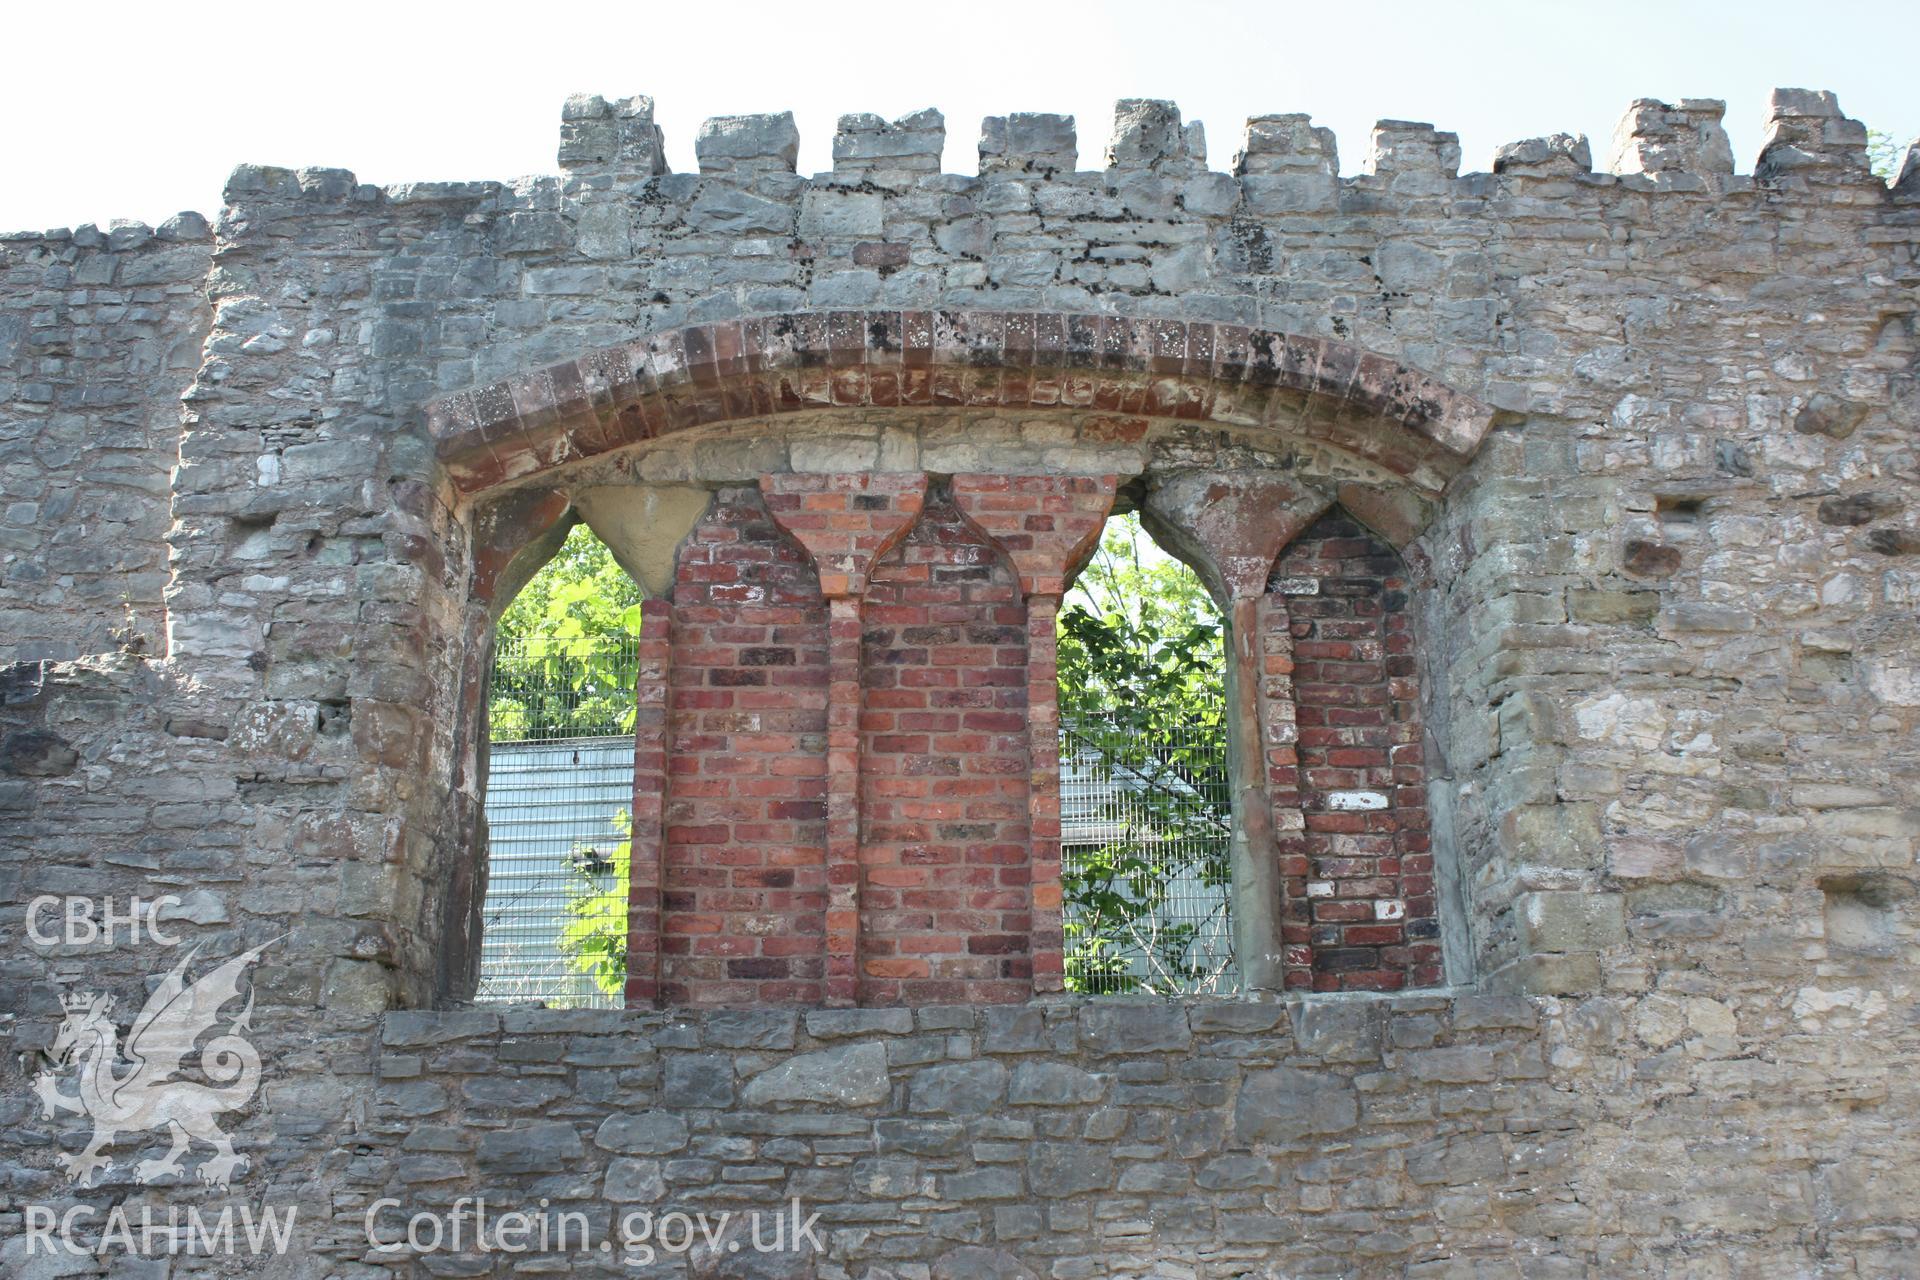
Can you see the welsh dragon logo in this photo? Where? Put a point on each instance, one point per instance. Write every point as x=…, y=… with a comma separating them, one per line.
x=134, y=1089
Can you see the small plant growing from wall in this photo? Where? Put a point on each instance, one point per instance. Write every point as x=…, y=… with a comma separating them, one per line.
x=1884, y=154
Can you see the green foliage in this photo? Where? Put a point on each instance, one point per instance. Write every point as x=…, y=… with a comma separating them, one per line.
x=1884, y=154
x=594, y=938
x=564, y=664
x=1142, y=710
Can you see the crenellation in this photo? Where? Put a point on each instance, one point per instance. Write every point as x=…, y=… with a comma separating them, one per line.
x=1556, y=155
x=1028, y=142
x=253, y=186
x=1287, y=144
x=1286, y=165
x=740, y=146
x=893, y=155
x=1404, y=149
x=597, y=136
x=1808, y=137
x=1907, y=182
x=1147, y=134
x=1685, y=138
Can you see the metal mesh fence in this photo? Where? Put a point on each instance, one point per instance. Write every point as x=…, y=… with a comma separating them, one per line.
x=1146, y=830
x=558, y=804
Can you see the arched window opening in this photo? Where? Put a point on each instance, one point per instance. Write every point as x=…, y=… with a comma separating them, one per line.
x=1145, y=798
x=559, y=793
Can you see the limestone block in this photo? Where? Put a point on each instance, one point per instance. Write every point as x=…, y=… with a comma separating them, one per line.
x=646, y=1133
x=1053, y=1084
x=1571, y=973
x=698, y=1080
x=865, y=144
x=1027, y=142
x=1338, y=1031
x=826, y=212
x=855, y=1076
x=1133, y=1027
x=1147, y=135
x=1068, y=1169
x=629, y=1181
x=1403, y=147
x=613, y=137
x=1289, y=144
x=1285, y=1105
x=536, y=1148
x=1808, y=136
x=1564, y=836
x=747, y=144
x=1556, y=154
x=1571, y=921
x=833, y=1024
x=752, y=1028
x=1685, y=137
x=958, y=1088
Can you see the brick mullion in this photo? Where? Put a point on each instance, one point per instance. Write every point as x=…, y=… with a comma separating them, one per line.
x=843, y=801
x=1047, y=944
x=1279, y=736
x=651, y=749
x=843, y=522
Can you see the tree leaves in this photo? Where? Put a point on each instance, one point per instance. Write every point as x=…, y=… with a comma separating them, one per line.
x=594, y=938
x=1142, y=709
x=564, y=660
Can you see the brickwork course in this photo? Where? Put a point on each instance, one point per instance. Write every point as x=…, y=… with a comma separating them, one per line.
x=1359, y=887
x=744, y=863
x=1563, y=516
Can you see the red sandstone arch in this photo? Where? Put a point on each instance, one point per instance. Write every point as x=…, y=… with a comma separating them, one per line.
x=1368, y=405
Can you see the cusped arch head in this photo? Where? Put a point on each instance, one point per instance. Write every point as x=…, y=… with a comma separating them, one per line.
x=1393, y=416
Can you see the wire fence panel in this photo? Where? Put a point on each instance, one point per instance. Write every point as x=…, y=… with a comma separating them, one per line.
x=558, y=804
x=1146, y=860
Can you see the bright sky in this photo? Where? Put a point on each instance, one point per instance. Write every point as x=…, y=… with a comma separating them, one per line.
x=120, y=110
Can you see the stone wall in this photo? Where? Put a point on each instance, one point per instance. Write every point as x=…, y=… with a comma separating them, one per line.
x=1642, y=440
x=1112, y=1138
x=100, y=333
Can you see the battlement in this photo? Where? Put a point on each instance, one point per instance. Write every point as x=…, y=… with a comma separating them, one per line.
x=1806, y=133
x=1284, y=163
x=1155, y=165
